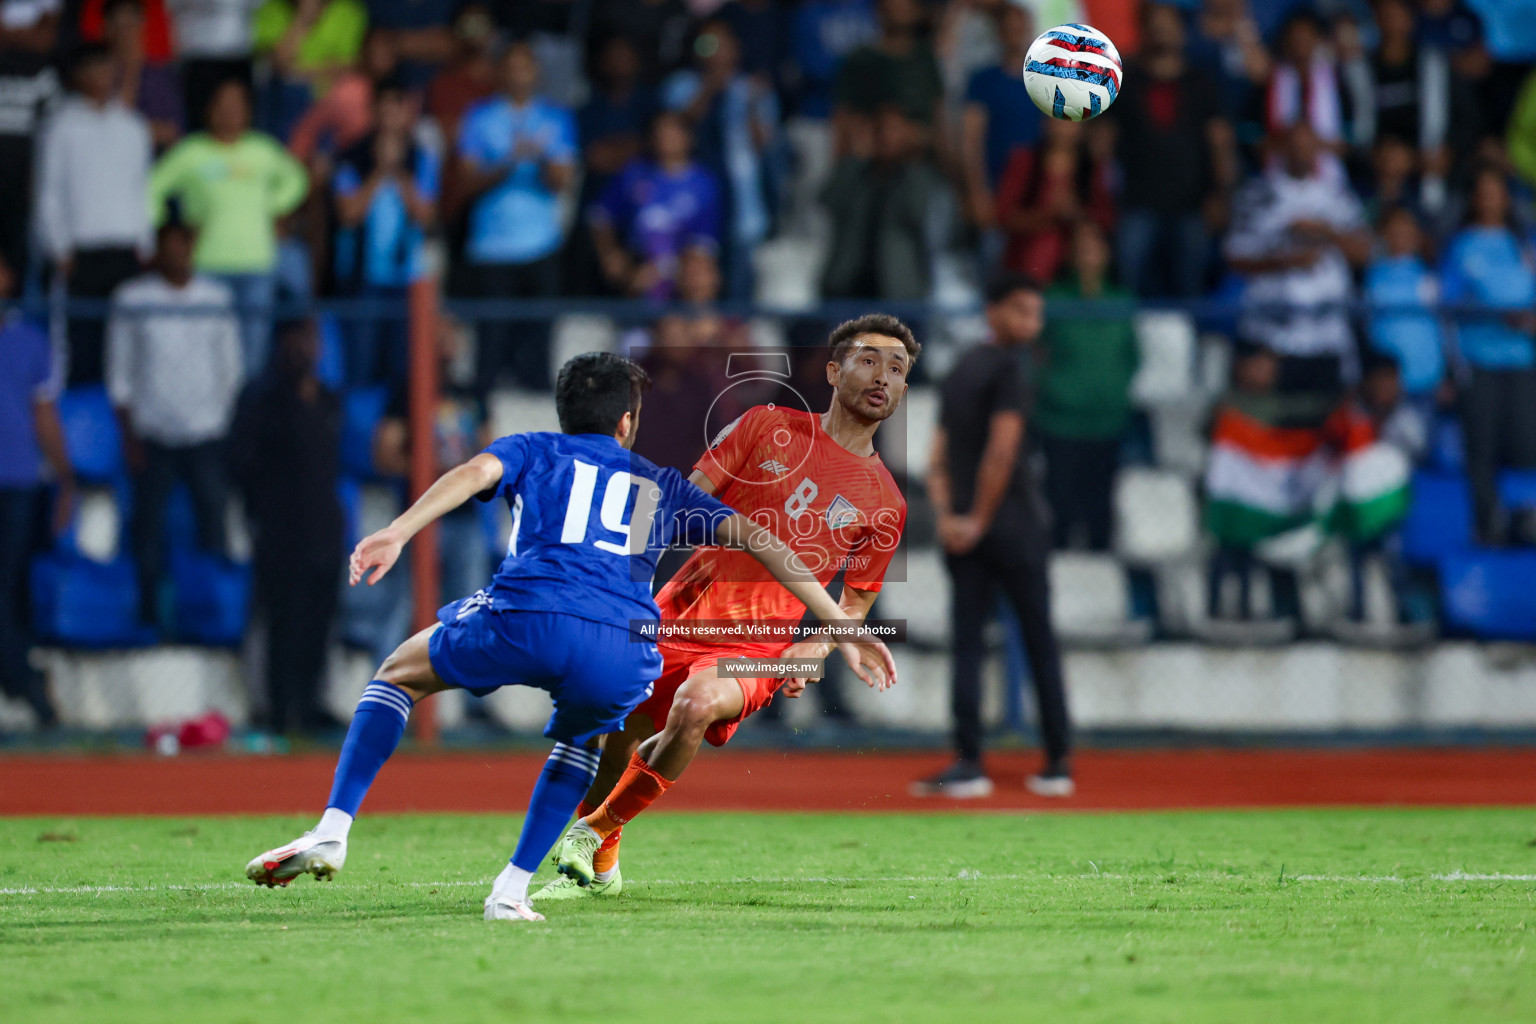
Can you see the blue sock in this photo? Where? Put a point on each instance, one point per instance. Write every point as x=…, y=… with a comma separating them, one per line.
x=373, y=735
x=566, y=777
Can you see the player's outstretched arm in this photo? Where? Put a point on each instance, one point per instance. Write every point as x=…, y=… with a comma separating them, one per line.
x=870, y=659
x=856, y=604
x=379, y=551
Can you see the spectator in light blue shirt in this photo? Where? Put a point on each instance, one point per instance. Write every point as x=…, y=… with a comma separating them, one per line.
x=1402, y=292
x=734, y=117
x=1487, y=266
x=386, y=190
x=1507, y=28
x=518, y=153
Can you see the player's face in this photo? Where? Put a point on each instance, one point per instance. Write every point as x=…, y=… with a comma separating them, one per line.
x=872, y=379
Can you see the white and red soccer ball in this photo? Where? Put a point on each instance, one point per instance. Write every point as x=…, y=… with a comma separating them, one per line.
x=1072, y=72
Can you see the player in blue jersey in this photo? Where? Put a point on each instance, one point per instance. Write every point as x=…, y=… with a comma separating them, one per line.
x=589, y=520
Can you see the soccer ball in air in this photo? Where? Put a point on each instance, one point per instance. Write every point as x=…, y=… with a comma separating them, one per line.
x=1072, y=72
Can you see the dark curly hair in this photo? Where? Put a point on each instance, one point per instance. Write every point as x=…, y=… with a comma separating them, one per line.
x=840, y=342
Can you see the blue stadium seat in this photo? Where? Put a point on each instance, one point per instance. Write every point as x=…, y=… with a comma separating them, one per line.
x=332, y=369
x=1439, y=521
x=81, y=603
x=91, y=434
x=1489, y=594
x=1220, y=311
x=213, y=598
x=1447, y=445
x=1517, y=489
x=363, y=409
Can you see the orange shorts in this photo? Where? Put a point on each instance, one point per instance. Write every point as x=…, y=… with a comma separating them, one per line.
x=680, y=661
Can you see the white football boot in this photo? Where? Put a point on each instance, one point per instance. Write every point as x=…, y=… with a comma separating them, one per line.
x=309, y=854
x=499, y=908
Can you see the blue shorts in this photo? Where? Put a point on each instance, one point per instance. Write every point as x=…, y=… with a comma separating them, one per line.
x=596, y=673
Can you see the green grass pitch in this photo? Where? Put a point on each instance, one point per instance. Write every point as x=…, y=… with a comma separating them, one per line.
x=1308, y=916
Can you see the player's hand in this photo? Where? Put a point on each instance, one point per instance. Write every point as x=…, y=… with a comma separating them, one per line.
x=871, y=661
x=378, y=552
x=806, y=650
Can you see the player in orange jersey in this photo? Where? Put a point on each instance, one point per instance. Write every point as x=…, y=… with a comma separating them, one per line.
x=816, y=481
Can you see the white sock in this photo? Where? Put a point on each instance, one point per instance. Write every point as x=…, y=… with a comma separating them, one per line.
x=605, y=876
x=512, y=884
x=335, y=823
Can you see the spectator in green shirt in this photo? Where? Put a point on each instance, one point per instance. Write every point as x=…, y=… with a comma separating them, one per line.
x=1522, y=131
x=1084, y=401
x=313, y=39
x=233, y=184
x=310, y=43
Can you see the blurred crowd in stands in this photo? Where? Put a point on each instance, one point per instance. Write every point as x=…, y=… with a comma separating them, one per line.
x=1286, y=161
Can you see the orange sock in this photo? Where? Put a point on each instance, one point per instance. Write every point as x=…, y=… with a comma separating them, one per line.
x=637, y=789
x=585, y=808
x=607, y=856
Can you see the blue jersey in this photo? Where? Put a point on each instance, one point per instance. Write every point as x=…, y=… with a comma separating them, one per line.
x=516, y=220
x=1404, y=324
x=1488, y=267
x=589, y=521
x=659, y=214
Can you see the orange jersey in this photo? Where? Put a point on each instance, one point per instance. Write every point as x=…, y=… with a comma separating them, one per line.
x=779, y=468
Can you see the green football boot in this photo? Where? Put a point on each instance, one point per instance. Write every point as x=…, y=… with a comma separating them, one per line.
x=573, y=857
x=566, y=888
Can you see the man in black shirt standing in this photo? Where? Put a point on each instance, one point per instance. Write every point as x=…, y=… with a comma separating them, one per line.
x=991, y=524
x=286, y=453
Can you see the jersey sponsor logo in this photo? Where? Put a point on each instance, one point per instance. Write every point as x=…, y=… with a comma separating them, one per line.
x=775, y=467
x=841, y=513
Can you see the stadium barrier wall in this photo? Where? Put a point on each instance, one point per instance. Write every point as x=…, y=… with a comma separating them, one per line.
x=1317, y=689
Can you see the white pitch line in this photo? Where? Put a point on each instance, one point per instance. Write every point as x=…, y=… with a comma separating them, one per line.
x=1454, y=876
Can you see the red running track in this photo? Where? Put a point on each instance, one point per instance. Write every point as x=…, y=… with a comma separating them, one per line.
x=757, y=780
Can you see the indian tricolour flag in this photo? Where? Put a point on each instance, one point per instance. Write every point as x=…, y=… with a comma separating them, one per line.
x=1264, y=480
x=1373, y=493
